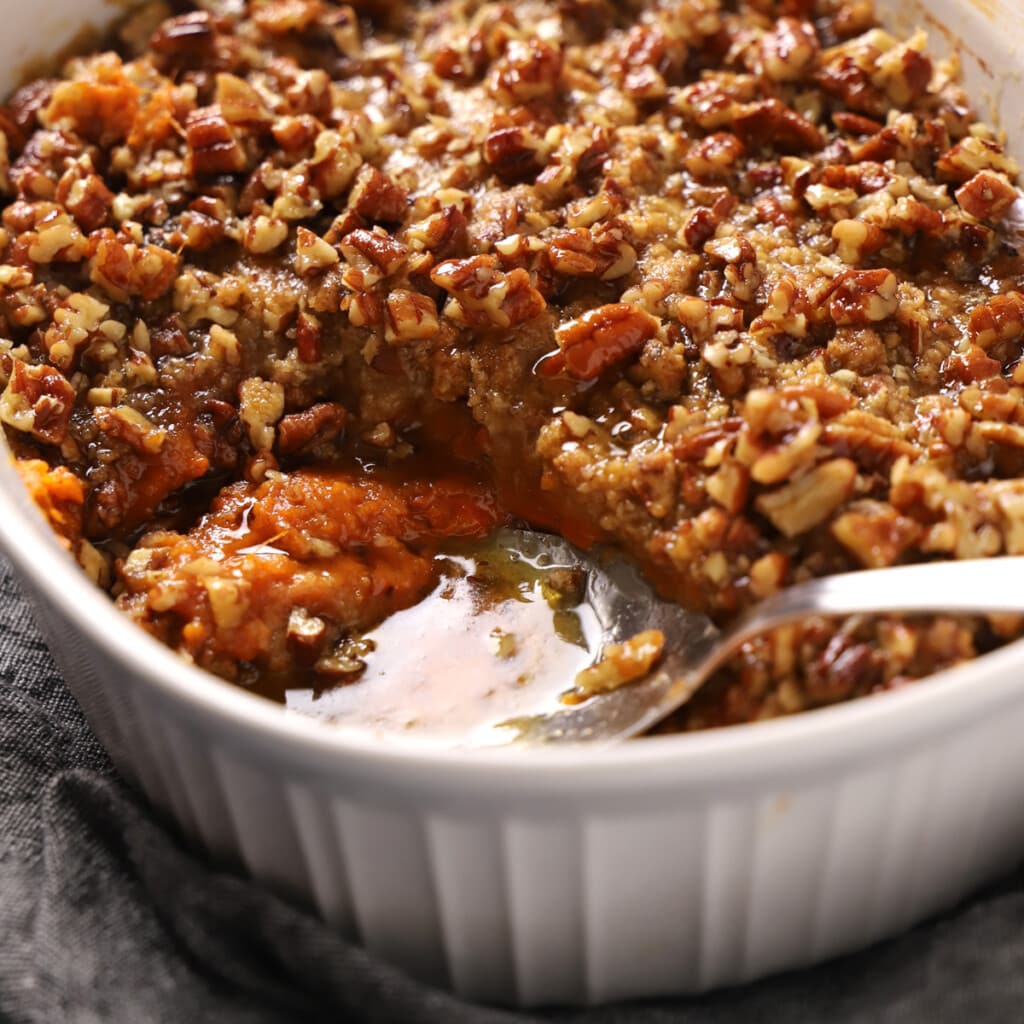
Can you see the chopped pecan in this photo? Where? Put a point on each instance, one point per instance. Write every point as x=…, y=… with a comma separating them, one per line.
x=377, y=198
x=772, y=124
x=809, y=500
x=38, y=400
x=410, y=317
x=42, y=163
x=443, y=234
x=864, y=296
x=529, y=70
x=282, y=17
x=602, y=337
x=483, y=295
x=582, y=252
x=77, y=321
x=623, y=663
x=21, y=115
x=714, y=156
x=856, y=124
x=309, y=337
x=971, y=366
x=319, y=423
x=513, y=153
x=869, y=440
x=904, y=72
x=333, y=165
x=789, y=51
x=857, y=239
x=845, y=79
x=375, y=250
x=263, y=234
x=296, y=133
x=712, y=102
x=124, y=268
x=86, y=197
x=971, y=155
x=312, y=253
x=260, y=406
x=1001, y=319
x=130, y=426
x=240, y=104
x=987, y=196
x=701, y=225
x=780, y=434
x=875, y=533
x=187, y=36
x=213, y=147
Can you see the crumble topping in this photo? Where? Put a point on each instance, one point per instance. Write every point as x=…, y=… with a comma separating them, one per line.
x=729, y=284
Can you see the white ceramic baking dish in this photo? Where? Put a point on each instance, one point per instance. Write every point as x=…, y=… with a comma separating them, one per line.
x=570, y=876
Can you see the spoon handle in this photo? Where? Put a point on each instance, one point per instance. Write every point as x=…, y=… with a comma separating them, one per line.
x=970, y=586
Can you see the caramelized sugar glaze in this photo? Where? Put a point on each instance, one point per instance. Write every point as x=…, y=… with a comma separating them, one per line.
x=294, y=292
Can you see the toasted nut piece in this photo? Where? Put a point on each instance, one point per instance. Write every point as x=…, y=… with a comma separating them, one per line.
x=714, y=156
x=987, y=196
x=411, y=317
x=1000, y=319
x=806, y=502
x=373, y=254
x=319, y=423
x=512, y=153
x=622, y=663
x=377, y=198
x=583, y=252
x=856, y=239
x=971, y=155
x=529, y=70
x=241, y=104
x=602, y=337
x=260, y=406
x=312, y=253
x=789, y=51
x=263, y=234
x=482, y=295
x=187, y=34
x=38, y=400
x=864, y=296
x=213, y=147
x=772, y=124
x=875, y=533
x=132, y=427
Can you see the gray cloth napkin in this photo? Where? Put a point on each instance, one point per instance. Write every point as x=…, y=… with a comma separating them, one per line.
x=104, y=916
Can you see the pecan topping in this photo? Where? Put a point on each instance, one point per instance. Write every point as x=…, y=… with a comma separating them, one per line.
x=987, y=196
x=377, y=198
x=482, y=295
x=789, y=51
x=213, y=147
x=864, y=296
x=319, y=423
x=38, y=400
x=411, y=317
x=603, y=337
x=771, y=123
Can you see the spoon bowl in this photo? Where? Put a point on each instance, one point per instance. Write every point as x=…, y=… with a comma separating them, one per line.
x=460, y=701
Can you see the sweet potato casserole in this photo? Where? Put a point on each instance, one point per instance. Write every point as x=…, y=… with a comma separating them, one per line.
x=294, y=292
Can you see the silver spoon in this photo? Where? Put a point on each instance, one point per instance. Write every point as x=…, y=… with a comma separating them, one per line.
x=441, y=671
x=625, y=605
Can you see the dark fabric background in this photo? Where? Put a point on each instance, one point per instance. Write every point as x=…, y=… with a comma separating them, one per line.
x=105, y=918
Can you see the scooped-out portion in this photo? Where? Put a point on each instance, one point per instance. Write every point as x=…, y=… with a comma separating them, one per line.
x=297, y=299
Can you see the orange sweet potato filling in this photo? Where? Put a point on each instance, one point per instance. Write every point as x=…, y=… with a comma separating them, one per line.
x=346, y=551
